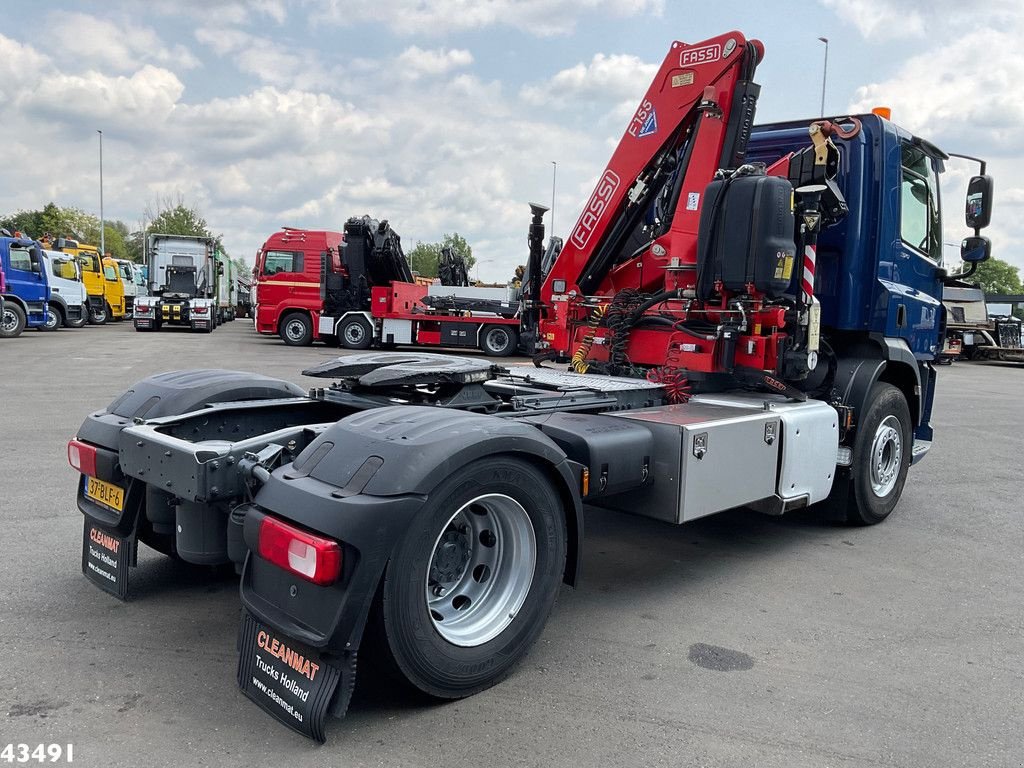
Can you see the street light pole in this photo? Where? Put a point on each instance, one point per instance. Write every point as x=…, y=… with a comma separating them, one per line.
x=824, y=75
x=554, y=173
x=103, y=251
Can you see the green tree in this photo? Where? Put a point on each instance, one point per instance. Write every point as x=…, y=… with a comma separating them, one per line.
x=998, y=276
x=178, y=219
x=55, y=221
x=423, y=257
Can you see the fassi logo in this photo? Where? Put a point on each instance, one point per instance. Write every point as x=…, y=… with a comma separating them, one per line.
x=704, y=55
x=595, y=209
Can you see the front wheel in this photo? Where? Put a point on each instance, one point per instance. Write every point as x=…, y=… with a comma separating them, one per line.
x=53, y=320
x=297, y=330
x=98, y=316
x=882, y=451
x=474, y=580
x=81, y=321
x=498, y=340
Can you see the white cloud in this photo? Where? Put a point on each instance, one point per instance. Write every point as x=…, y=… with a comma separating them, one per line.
x=416, y=62
x=20, y=66
x=101, y=44
x=893, y=19
x=133, y=104
x=543, y=18
x=607, y=78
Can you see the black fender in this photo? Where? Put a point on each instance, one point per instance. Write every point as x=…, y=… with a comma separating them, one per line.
x=165, y=394
x=361, y=483
x=177, y=392
x=891, y=361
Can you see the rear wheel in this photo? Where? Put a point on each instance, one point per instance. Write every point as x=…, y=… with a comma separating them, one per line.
x=12, y=323
x=472, y=583
x=882, y=451
x=355, y=333
x=296, y=330
x=498, y=340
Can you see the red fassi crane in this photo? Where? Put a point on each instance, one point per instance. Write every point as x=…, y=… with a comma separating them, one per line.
x=635, y=286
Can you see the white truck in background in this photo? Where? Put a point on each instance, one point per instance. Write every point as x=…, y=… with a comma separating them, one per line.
x=67, y=306
x=181, y=284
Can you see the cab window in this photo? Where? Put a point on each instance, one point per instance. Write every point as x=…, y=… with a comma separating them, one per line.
x=89, y=263
x=21, y=258
x=126, y=272
x=920, y=224
x=275, y=262
x=110, y=273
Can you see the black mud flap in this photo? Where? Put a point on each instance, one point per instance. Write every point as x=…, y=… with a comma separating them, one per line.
x=106, y=557
x=286, y=678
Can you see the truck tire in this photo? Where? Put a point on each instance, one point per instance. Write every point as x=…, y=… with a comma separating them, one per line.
x=296, y=330
x=80, y=322
x=13, y=321
x=882, y=451
x=54, y=319
x=98, y=316
x=498, y=340
x=355, y=332
x=472, y=583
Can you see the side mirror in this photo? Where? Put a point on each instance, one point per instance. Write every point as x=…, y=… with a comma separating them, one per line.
x=979, y=202
x=975, y=249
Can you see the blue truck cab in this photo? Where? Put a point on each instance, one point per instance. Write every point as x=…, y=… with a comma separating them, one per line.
x=879, y=276
x=26, y=289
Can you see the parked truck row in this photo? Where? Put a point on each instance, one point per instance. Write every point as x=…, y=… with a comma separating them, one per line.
x=742, y=316
x=63, y=283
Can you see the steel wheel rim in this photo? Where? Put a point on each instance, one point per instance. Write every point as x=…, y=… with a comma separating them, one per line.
x=481, y=569
x=501, y=334
x=295, y=330
x=355, y=333
x=886, y=456
x=10, y=321
x=52, y=319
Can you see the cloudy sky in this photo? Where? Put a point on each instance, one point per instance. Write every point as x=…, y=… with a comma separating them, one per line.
x=446, y=115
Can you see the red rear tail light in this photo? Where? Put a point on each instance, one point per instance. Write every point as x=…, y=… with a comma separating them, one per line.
x=199, y=310
x=82, y=456
x=310, y=557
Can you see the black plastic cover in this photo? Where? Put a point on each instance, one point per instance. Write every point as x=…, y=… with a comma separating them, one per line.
x=616, y=451
x=747, y=230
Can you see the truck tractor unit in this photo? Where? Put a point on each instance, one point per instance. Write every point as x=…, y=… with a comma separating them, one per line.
x=25, y=290
x=68, y=305
x=182, y=274
x=370, y=298
x=740, y=317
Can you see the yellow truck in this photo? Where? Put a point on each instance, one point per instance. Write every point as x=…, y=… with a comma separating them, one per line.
x=101, y=278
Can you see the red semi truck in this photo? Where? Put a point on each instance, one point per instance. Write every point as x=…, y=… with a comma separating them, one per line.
x=356, y=290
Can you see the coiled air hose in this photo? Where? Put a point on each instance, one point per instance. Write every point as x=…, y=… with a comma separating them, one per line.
x=579, y=358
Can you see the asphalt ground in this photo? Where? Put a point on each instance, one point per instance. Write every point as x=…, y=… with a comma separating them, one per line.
x=737, y=640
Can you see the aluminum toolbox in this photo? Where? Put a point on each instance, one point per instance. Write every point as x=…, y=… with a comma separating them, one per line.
x=707, y=458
